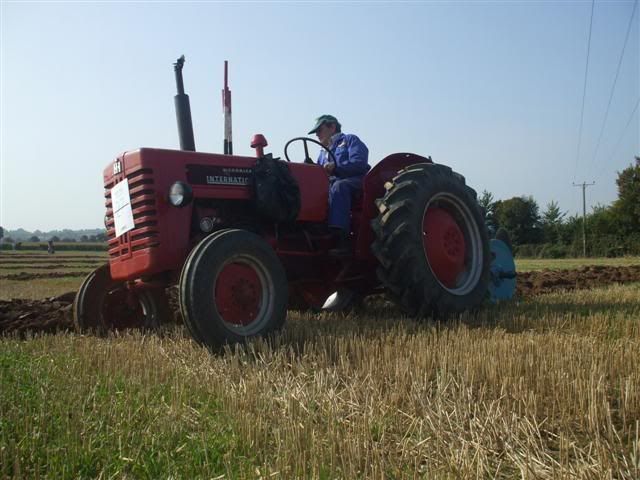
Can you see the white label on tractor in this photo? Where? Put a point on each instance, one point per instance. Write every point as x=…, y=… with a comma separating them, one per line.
x=121, y=204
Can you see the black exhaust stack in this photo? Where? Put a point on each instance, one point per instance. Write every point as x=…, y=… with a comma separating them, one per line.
x=183, y=110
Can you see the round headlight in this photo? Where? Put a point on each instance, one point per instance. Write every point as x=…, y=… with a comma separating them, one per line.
x=180, y=194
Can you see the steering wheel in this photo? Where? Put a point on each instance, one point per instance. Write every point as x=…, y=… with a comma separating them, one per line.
x=307, y=158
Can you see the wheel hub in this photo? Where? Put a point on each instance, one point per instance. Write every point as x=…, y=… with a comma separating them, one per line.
x=444, y=245
x=238, y=294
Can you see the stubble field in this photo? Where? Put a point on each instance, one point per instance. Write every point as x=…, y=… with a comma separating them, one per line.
x=547, y=386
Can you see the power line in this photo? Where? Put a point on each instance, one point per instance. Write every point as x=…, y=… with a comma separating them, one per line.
x=615, y=81
x=584, y=92
x=624, y=131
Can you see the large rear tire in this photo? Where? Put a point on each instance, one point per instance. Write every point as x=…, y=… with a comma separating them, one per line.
x=103, y=304
x=431, y=242
x=232, y=287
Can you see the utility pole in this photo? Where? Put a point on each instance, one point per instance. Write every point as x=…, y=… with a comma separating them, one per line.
x=584, y=186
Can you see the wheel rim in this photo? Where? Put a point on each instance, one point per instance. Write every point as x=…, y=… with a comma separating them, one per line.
x=243, y=295
x=452, y=243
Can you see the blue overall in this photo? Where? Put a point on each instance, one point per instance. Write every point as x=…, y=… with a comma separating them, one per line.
x=351, y=166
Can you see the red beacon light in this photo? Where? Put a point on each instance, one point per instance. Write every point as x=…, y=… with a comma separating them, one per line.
x=259, y=142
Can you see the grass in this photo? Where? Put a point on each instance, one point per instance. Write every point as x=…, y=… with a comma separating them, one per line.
x=545, y=388
x=113, y=419
x=530, y=264
x=44, y=288
x=41, y=261
x=59, y=247
x=46, y=269
x=12, y=263
x=38, y=289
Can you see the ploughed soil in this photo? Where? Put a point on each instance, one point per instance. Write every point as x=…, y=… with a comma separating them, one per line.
x=42, y=260
x=55, y=314
x=21, y=266
x=36, y=276
x=529, y=284
x=49, y=315
x=42, y=256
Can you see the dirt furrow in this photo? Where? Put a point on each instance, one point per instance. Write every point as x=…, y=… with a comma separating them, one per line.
x=36, y=276
x=45, y=267
x=54, y=314
x=57, y=256
x=48, y=261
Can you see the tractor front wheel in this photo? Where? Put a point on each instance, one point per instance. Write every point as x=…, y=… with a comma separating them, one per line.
x=431, y=242
x=232, y=287
x=103, y=304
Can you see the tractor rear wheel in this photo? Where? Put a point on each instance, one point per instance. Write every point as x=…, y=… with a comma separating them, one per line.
x=431, y=242
x=103, y=304
x=232, y=287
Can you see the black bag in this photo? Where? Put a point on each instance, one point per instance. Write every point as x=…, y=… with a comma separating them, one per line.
x=276, y=192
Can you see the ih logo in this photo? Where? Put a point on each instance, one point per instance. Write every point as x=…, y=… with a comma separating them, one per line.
x=117, y=167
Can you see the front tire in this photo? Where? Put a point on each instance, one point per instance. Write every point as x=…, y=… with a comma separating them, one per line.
x=431, y=242
x=103, y=304
x=232, y=287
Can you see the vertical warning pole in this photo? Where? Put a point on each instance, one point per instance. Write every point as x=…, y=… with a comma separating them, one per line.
x=226, y=108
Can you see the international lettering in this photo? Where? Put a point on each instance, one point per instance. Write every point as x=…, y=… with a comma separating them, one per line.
x=226, y=180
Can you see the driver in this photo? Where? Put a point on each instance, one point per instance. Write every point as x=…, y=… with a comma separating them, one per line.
x=345, y=175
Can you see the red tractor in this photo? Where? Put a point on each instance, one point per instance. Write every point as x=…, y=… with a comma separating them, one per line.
x=198, y=220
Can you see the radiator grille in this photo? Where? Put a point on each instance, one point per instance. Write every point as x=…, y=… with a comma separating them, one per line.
x=145, y=216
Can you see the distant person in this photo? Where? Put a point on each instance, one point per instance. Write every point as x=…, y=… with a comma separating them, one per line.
x=50, y=248
x=345, y=175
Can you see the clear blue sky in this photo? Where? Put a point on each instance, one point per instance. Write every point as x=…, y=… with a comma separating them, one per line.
x=493, y=89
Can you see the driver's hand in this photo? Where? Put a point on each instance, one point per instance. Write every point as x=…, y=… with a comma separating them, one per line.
x=330, y=167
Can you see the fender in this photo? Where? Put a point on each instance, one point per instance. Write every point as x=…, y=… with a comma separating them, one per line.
x=373, y=189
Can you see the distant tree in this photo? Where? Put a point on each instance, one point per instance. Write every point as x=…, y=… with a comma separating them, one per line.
x=602, y=221
x=34, y=238
x=101, y=237
x=84, y=238
x=520, y=217
x=626, y=209
x=1, y=233
x=551, y=221
x=8, y=240
x=92, y=238
x=488, y=206
x=570, y=229
x=68, y=240
x=55, y=238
